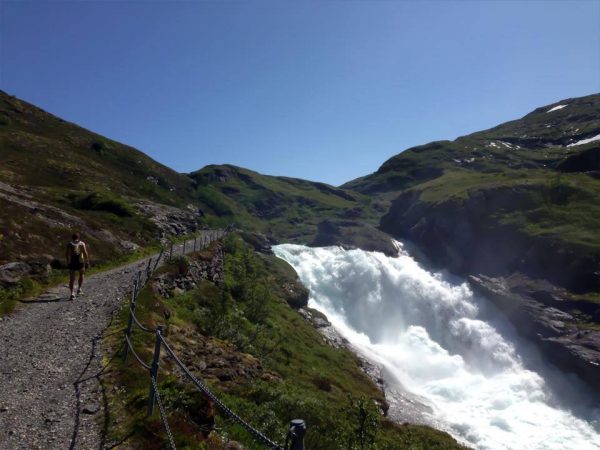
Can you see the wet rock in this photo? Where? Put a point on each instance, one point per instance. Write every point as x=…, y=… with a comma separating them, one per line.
x=259, y=241
x=553, y=330
x=353, y=234
x=296, y=294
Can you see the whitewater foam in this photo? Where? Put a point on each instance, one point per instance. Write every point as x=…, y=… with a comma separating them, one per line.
x=428, y=333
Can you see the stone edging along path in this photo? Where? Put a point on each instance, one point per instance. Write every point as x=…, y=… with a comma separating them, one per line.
x=50, y=352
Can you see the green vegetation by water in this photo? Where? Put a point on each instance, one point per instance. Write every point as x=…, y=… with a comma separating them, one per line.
x=279, y=368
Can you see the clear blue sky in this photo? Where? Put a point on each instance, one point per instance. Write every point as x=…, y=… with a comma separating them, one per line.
x=323, y=90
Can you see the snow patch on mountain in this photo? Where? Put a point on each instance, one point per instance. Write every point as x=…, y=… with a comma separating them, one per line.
x=556, y=108
x=585, y=141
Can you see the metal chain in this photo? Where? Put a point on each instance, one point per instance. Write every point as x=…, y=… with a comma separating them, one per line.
x=200, y=385
x=255, y=433
x=146, y=366
x=137, y=322
x=163, y=416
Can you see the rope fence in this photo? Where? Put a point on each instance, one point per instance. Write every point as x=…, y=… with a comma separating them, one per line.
x=295, y=435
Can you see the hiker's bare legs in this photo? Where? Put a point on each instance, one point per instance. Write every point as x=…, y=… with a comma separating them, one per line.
x=81, y=272
x=71, y=281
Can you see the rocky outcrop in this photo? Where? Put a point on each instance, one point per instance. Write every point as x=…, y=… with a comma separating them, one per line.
x=353, y=234
x=190, y=273
x=295, y=294
x=12, y=273
x=539, y=313
x=464, y=236
x=258, y=241
x=586, y=161
x=170, y=220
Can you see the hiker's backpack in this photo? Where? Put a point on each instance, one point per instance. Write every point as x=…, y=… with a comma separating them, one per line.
x=76, y=250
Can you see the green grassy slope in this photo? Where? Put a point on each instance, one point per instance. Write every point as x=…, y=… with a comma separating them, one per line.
x=44, y=151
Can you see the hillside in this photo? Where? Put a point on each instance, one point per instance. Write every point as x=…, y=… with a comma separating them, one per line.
x=519, y=197
x=290, y=209
x=238, y=318
x=56, y=176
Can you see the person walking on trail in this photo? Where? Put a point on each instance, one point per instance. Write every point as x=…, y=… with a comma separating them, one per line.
x=77, y=259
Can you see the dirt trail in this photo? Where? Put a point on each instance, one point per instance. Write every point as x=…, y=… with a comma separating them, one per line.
x=50, y=352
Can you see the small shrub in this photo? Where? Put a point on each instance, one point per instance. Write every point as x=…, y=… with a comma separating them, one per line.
x=181, y=263
x=322, y=383
x=98, y=146
x=363, y=420
x=97, y=201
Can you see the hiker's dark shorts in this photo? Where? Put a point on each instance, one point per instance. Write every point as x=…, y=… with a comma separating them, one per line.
x=76, y=265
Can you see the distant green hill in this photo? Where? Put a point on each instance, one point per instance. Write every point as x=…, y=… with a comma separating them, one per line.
x=290, y=209
x=56, y=177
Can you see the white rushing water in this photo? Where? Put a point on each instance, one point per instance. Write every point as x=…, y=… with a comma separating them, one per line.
x=428, y=333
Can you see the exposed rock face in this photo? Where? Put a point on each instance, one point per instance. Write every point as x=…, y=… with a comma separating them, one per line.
x=586, y=161
x=171, y=220
x=464, y=237
x=539, y=313
x=351, y=234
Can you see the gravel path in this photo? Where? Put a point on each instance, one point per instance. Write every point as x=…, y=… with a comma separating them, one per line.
x=50, y=352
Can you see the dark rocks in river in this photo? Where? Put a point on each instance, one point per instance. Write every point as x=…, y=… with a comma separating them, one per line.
x=552, y=319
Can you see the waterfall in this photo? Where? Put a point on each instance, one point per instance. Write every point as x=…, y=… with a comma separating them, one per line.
x=430, y=336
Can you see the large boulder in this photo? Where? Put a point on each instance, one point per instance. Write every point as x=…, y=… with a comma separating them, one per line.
x=12, y=273
x=296, y=295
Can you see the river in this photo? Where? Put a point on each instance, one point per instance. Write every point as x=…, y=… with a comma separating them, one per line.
x=439, y=343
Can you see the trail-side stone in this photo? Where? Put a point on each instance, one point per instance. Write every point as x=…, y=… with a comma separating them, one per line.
x=13, y=272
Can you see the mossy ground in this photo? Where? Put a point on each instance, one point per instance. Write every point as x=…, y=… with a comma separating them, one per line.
x=295, y=374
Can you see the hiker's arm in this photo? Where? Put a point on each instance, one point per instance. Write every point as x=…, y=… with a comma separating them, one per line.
x=87, y=255
x=67, y=255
